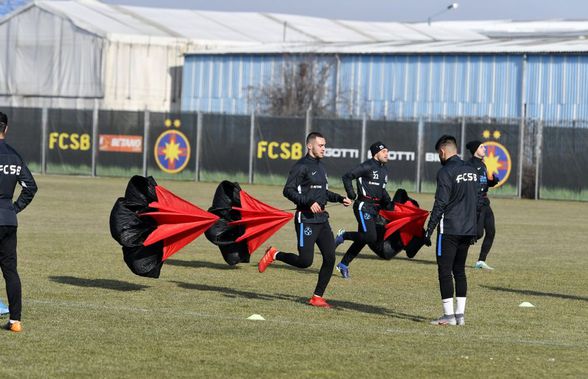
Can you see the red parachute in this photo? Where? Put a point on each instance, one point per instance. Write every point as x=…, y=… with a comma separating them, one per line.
x=151, y=223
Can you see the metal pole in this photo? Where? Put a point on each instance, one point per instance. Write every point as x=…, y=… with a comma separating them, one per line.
x=463, y=137
x=198, y=144
x=523, y=115
x=94, y=137
x=146, y=126
x=538, y=157
x=44, y=126
x=363, y=134
x=308, y=124
x=251, y=146
x=420, y=143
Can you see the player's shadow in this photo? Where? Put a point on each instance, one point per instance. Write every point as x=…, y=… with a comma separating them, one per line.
x=109, y=284
x=536, y=293
x=200, y=264
x=348, y=305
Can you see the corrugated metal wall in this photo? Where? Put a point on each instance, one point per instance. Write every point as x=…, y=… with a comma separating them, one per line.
x=405, y=86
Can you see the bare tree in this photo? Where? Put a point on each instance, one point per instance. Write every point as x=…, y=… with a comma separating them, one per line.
x=304, y=84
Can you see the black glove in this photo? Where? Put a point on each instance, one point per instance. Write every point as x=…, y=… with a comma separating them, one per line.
x=473, y=240
x=427, y=238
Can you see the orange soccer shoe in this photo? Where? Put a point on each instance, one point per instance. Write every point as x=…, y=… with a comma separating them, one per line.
x=267, y=259
x=318, y=301
x=15, y=326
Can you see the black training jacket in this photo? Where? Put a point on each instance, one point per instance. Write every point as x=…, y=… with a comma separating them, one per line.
x=480, y=167
x=13, y=170
x=456, y=199
x=307, y=183
x=371, y=179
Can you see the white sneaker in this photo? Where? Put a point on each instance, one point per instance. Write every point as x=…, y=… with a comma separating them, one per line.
x=482, y=265
x=445, y=320
x=459, y=319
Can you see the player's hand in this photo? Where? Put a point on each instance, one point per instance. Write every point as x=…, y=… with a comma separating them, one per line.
x=316, y=208
x=427, y=238
x=347, y=201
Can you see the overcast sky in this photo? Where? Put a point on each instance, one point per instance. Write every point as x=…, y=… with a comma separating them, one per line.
x=390, y=10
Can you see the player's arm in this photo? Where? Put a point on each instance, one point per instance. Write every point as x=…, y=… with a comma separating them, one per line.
x=295, y=178
x=348, y=178
x=442, y=195
x=29, y=188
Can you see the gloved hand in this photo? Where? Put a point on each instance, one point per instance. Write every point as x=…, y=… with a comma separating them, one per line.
x=473, y=240
x=427, y=238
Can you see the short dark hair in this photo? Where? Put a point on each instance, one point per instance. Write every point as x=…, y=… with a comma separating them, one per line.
x=312, y=136
x=445, y=140
x=3, y=122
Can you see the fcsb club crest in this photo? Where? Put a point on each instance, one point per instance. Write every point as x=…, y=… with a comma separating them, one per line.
x=497, y=161
x=172, y=151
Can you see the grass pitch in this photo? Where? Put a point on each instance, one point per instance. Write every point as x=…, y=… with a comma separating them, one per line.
x=86, y=315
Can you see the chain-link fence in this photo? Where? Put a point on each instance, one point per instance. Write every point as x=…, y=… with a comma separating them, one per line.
x=531, y=160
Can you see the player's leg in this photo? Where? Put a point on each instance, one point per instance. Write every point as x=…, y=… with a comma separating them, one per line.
x=446, y=249
x=459, y=275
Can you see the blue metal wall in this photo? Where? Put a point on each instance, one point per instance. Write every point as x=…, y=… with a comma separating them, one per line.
x=405, y=86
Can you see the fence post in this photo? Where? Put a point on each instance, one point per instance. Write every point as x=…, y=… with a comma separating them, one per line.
x=146, y=126
x=363, y=136
x=420, y=143
x=44, y=126
x=521, y=157
x=463, y=137
x=308, y=124
x=198, y=144
x=538, y=157
x=94, y=137
x=251, y=146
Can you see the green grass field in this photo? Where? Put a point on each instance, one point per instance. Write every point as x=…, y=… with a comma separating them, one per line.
x=86, y=315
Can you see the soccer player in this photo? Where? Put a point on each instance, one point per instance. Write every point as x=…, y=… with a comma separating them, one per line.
x=371, y=177
x=12, y=170
x=308, y=188
x=485, y=214
x=454, y=211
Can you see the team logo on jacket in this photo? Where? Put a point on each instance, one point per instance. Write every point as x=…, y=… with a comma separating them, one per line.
x=308, y=231
x=172, y=151
x=497, y=161
x=367, y=216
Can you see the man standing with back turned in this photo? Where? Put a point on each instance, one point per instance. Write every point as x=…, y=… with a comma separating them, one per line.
x=12, y=170
x=455, y=208
x=308, y=188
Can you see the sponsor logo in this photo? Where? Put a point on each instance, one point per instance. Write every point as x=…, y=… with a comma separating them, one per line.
x=69, y=141
x=314, y=172
x=316, y=186
x=279, y=150
x=466, y=177
x=334, y=152
x=172, y=151
x=121, y=143
x=497, y=161
x=308, y=231
x=10, y=169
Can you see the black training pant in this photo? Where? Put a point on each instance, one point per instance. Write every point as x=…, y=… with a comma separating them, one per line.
x=486, y=224
x=8, y=266
x=366, y=234
x=452, y=252
x=307, y=235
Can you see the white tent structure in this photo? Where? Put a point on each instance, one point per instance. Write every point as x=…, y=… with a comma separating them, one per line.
x=85, y=54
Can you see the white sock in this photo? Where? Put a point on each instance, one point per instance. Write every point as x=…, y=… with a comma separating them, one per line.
x=461, y=302
x=448, y=306
x=13, y=321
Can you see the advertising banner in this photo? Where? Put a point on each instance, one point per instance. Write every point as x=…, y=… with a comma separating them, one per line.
x=171, y=149
x=120, y=143
x=225, y=148
x=563, y=164
x=432, y=133
x=401, y=138
x=279, y=143
x=69, y=142
x=502, y=153
x=25, y=134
